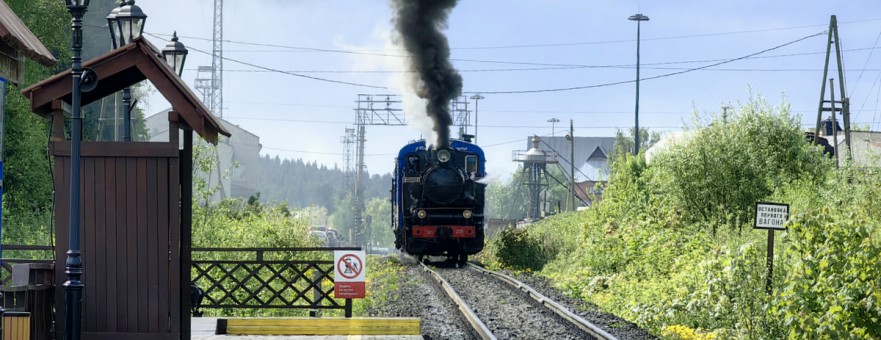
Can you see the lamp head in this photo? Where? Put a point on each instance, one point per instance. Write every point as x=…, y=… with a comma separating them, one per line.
x=175, y=54
x=130, y=22
x=76, y=3
x=638, y=17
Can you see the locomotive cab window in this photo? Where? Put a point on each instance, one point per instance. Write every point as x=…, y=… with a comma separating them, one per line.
x=471, y=165
x=412, y=164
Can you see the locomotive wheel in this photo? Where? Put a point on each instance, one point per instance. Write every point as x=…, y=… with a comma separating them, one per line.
x=420, y=258
x=462, y=261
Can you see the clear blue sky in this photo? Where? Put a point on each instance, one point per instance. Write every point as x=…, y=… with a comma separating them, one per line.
x=522, y=45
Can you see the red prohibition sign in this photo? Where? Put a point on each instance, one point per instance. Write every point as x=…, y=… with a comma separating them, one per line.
x=356, y=269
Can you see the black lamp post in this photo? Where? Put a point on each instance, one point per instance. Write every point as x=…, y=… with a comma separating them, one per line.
x=175, y=55
x=73, y=288
x=126, y=23
x=638, y=18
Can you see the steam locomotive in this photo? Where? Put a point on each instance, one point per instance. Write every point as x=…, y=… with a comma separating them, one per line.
x=437, y=202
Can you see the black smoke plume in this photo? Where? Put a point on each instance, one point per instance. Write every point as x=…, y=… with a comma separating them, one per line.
x=419, y=24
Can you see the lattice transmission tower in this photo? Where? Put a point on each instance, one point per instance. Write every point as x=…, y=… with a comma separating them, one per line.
x=217, y=61
x=348, y=140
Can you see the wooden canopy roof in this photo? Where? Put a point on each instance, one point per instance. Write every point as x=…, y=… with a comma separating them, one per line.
x=16, y=34
x=124, y=67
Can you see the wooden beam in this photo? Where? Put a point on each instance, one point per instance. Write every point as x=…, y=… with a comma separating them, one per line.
x=319, y=326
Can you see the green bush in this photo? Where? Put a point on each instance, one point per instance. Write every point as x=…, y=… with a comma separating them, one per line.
x=833, y=286
x=516, y=249
x=725, y=167
x=671, y=246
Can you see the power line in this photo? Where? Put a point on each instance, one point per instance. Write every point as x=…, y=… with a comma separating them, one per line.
x=326, y=153
x=281, y=71
x=535, y=45
x=649, y=78
x=292, y=73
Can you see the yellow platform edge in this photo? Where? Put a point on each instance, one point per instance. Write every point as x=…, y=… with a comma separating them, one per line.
x=319, y=326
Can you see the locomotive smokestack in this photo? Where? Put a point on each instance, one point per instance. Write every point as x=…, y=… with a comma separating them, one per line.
x=419, y=24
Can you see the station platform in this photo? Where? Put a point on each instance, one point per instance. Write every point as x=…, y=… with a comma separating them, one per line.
x=204, y=328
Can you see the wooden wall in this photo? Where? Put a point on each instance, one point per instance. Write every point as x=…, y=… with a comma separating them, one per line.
x=130, y=232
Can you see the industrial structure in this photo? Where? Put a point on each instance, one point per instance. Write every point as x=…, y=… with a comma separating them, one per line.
x=535, y=165
x=591, y=166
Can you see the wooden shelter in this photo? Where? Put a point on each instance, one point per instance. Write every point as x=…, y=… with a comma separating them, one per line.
x=17, y=42
x=136, y=203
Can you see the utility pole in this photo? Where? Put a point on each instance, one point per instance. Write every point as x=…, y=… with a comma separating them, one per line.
x=572, y=163
x=834, y=121
x=638, y=18
x=833, y=40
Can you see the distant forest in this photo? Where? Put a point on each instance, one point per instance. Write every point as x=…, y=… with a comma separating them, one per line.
x=302, y=184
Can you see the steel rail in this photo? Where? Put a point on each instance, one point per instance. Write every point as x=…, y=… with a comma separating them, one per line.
x=478, y=325
x=578, y=321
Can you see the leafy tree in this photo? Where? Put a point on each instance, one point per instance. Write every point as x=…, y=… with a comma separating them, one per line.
x=377, y=221
x=724, y=168
x=27, y=196
x=624, y=144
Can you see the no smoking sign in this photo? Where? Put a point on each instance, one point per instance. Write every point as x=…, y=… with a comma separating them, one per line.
x=349, y=272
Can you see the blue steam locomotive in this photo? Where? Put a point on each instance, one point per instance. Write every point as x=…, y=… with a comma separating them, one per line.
x=437, y=202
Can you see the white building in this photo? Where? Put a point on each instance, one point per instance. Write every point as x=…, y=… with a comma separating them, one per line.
x=241, y=150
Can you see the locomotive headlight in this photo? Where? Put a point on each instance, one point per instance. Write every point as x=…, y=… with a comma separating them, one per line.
x=443, y=156
x=421, y=214
x=467, y=214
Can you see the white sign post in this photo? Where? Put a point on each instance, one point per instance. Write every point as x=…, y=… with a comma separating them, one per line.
x=771, y=216
x=349, y=271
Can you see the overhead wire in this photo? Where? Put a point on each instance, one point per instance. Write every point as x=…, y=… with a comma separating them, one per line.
x=865, y=65
x=536, y=45
x=647, y=78
x=282, y=71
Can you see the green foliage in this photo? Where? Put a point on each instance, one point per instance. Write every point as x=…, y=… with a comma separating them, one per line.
x=516, y=249
x=833, y=283
x=27, y=182
x=508, y=200
x=667, y=249
x=724, y=168
x=624, y=144
x=303, y=183
x=377, y=222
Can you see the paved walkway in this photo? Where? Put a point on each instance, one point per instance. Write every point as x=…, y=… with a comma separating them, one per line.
x=203, y=329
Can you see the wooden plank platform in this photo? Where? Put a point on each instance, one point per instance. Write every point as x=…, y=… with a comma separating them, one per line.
x=318, y=326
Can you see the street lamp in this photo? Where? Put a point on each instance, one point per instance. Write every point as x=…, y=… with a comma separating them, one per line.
x=126, y=23
x=175, y=54
x=553, y=121
x=638, y=18
x=73, y=287
x=477, y=98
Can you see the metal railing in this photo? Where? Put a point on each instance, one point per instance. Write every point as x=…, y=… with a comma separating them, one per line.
x=7, y=263
x=267, y=278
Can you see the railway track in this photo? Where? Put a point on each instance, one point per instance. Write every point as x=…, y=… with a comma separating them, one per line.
x=498, y=306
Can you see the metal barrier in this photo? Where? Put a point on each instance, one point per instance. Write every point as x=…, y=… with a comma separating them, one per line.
x=265, y=278
x=27, y=289
x=6, y=264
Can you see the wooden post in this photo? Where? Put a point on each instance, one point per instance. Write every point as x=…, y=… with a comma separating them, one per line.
x=186, y=231
x=770, y=261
